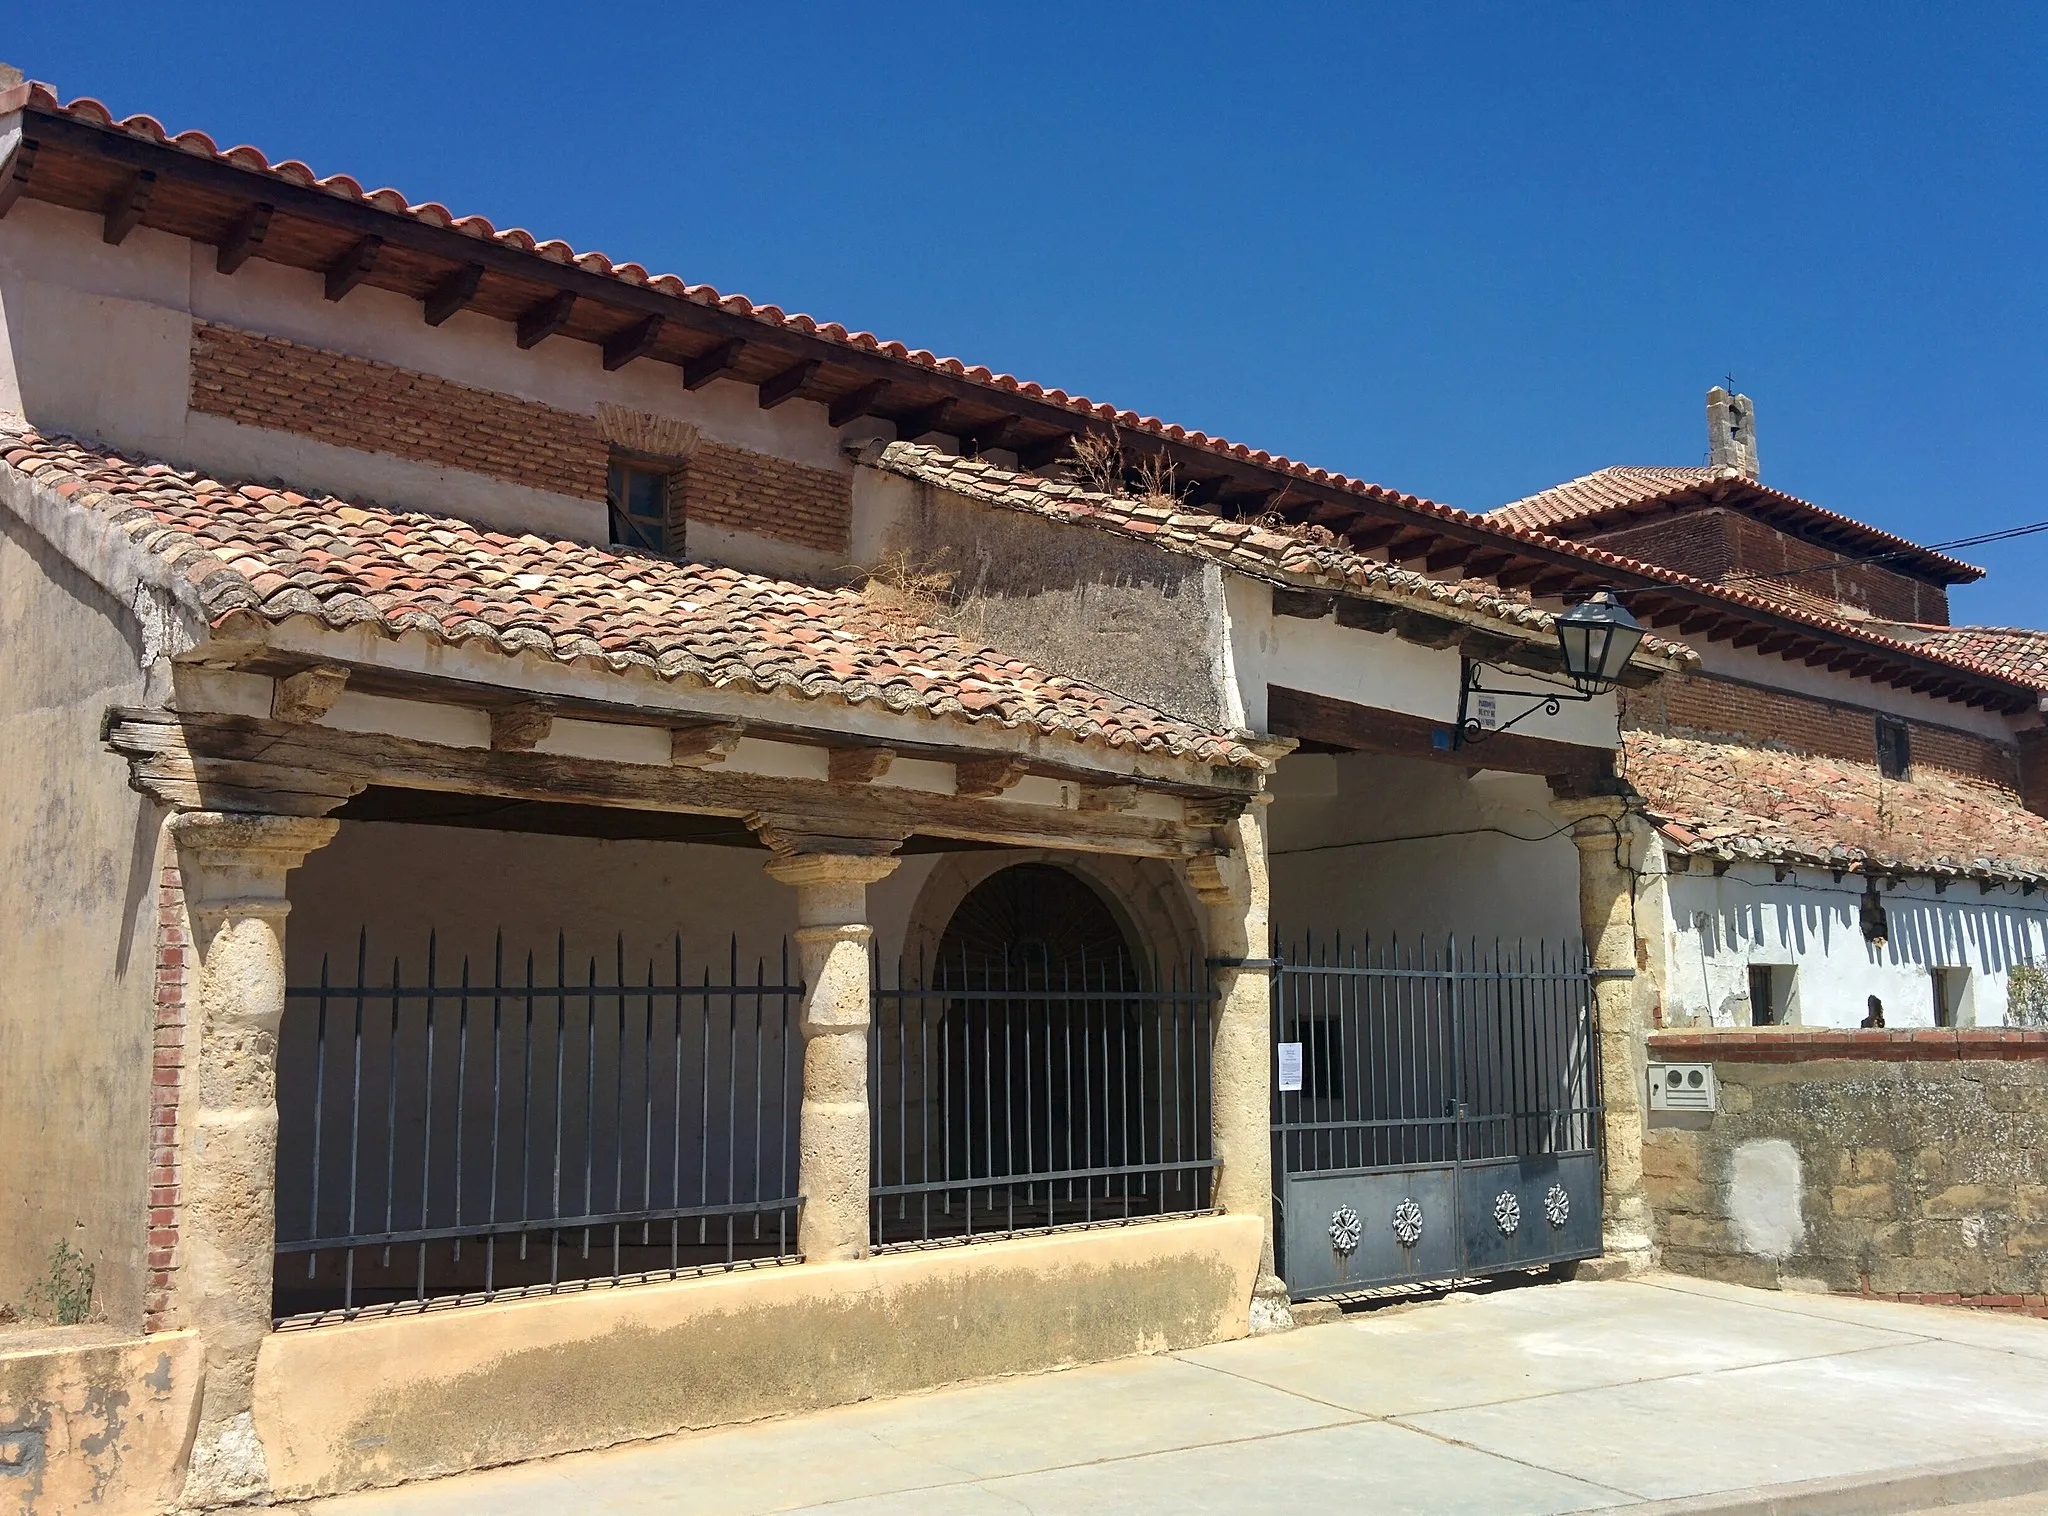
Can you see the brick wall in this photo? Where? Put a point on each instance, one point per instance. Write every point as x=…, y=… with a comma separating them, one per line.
x=1702, y=705
x=726, y=486
x=1714, y=543
x=2034, y=771
x=373, y=407
x=1899, y=1164
x=166, y=1196
x=377, y=408
x=1693, y=542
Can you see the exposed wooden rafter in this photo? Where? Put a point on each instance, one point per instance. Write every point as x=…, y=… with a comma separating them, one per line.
x=247, y=234
x=14, y=174
x=630, y=342
x=701, y=370
x=544, y=319
x=788, y=384
x=353, y=266
x=125, y=210
x=850, y=407
x=932, y=418
x=453, y=293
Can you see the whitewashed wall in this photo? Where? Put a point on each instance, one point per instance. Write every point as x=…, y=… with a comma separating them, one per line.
x=1368, y=845
x=1710, y=930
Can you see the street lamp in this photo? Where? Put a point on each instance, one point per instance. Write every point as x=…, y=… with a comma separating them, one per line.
x=1597, y=638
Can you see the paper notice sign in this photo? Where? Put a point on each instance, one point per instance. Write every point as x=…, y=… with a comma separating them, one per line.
x=1290, y=1066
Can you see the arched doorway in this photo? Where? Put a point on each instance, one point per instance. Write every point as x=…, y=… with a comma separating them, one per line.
x=1036, y=1076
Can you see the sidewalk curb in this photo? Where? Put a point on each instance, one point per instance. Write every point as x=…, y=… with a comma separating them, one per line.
x=1923, y=1487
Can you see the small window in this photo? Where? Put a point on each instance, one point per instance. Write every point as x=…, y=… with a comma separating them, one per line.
x=1770, y=993
x=1894, y=749
x=1950, y=987
x=639, y=499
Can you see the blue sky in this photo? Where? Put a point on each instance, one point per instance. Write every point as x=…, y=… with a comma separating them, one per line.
x=1465, y=250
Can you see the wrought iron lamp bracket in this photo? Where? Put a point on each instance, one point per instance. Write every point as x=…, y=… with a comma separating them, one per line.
x=1468, y=731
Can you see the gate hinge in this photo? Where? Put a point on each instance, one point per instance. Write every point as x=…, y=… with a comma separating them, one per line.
x=1243, y=963
x=1611, y=974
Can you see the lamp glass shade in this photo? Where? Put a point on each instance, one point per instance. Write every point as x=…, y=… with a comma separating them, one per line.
x=1598, y=637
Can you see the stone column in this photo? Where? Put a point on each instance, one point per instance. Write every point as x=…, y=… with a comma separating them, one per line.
x=834, y=940
x=234, y=869
x=1233, y=886
x=1600, y=830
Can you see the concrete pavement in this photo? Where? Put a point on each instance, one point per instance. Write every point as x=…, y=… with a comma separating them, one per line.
x=1554, y=1398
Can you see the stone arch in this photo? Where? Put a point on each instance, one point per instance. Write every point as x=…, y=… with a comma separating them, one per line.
x=1147, y=896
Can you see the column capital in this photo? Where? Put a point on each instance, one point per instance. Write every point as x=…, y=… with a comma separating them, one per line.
x=800, y=869
x=1594, y=818
x=251, y=840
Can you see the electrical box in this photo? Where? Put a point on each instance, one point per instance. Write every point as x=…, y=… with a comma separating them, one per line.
x=1683, y=1087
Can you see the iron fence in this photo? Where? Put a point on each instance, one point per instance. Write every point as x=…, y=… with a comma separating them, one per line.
x=1419, y=1055
x=472, y=1137
x=1015, y=1092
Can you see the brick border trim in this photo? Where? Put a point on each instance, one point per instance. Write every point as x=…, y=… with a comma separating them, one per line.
x=1914, y=1045
x=2022, y=1305
x=167, y=1080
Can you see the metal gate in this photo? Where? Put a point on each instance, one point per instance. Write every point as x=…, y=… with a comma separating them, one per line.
x=1436, y=1113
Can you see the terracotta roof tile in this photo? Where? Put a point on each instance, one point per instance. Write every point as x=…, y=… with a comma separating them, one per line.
x=256, y=551
x=1249, y=549
x=1622, y=489
x=1728, y=800
x=2018, y=652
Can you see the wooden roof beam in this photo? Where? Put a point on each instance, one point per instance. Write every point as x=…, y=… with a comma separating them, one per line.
x=543, y=320
x=931, y=418
x=1371, y=538
x=354, y=266
x=1449, y=556
x=1045, y=451
x=243, y=238
x=1406, y=548
x=1520, y=572
x=986, y=436
x=712, y=364
x=453, y=293
x=788, y=384
x=125, y=210
x=1553, y=582
x=630, y=342
x=858, y=402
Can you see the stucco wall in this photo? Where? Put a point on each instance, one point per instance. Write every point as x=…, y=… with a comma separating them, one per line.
x=94, y=1421
x=1368, y=845
x=1851, y=1172
x=1705, y=931
x=374, y=1402
x=77, y=947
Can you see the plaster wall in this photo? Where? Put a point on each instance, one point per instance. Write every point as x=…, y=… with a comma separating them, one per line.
x=1707, y=931
x=375, y=1402
x=94, y=1421
x=78, y=858
x=97, y=344
x=1366, y=845
x=1377, y=669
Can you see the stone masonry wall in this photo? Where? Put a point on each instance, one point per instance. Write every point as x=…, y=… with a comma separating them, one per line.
x=1909, y=1164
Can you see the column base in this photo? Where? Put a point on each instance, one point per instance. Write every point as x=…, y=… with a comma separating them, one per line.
x=1626, y=1255
x=1271, y=1309
x=227, y=1466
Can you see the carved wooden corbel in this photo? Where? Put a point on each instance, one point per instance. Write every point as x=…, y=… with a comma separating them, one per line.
x=518, y=728
x=696, y=747
x=860, y=765
x=987, y=777
x=308, y=695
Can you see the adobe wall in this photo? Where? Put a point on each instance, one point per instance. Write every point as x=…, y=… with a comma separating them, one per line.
x=375, y=1402
x=1889, y=1163
x=78, y=903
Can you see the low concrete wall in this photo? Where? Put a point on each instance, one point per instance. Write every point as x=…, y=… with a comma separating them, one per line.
x=1892, y=1163
x=375, y=1402
x=91, y=1420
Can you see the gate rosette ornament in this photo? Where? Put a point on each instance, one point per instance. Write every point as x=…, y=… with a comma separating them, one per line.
x=1407, y=1223
x=1507, y=1212
x=1557, y=1206
x=1345, y=1230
